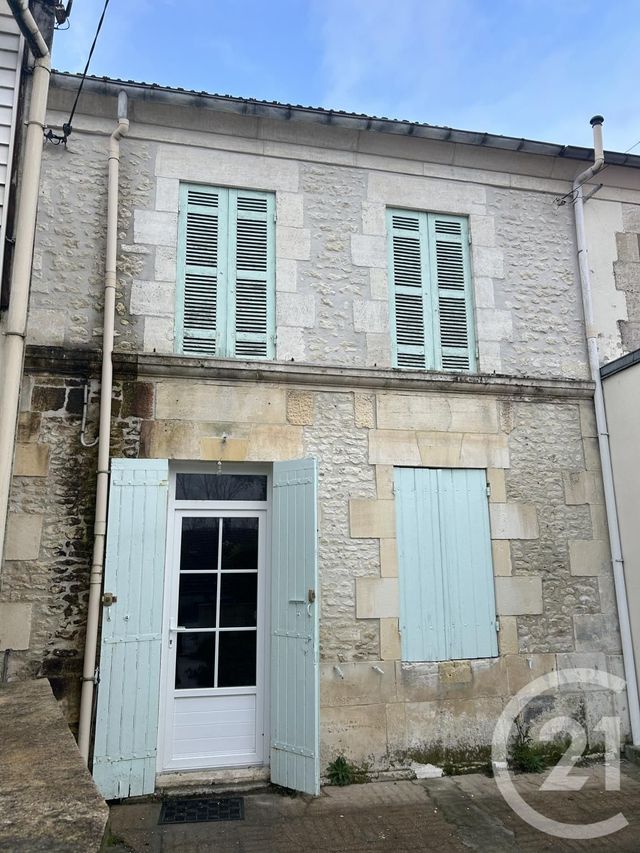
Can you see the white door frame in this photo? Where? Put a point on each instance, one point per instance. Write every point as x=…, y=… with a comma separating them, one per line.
x=171, y=579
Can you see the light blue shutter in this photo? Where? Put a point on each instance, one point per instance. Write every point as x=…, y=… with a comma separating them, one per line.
x=451, y=292
x=251, y=312
x=295, y=760
x=447, y=600
x=201, y=273
x=408, y=277
x=126, y=734
x=430, y=291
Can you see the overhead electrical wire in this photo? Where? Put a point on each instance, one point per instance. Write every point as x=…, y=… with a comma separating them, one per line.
x=67, y=126
x=562, y=199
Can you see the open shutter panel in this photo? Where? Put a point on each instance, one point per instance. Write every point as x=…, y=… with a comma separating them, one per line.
x=126, y=734
x=252, y=267
x=449, y=250
x=407, y=272
x=295, y=699
x=201, y=250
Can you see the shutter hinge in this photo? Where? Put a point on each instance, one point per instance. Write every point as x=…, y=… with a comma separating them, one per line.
x=275, y=216
x=469, y=236
x=488, y=490
x=497, y=624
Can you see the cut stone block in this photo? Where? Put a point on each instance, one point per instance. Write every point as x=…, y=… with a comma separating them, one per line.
x=371, y=519
x=364, y=412
x=508, y=636
x=31, y=460
x=582, y=487
x=388, y=558
x=389, y=640
x=501, y=552
x=393, y=447
x=300, y=406
x=15, y=625
x=589, y=557
x=24, y=532
x=513, y=521
x=215, y=403
x=377, y=598
x=516, y=596
x=497, y=485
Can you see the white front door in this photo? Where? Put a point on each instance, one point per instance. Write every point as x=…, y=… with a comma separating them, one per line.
x=215, y=649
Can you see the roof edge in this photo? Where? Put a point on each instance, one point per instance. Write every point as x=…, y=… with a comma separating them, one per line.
x=620, y=364
x=336, y=118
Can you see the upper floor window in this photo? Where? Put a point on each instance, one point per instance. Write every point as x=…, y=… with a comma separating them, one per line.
x=430, y=291
x=226, y=273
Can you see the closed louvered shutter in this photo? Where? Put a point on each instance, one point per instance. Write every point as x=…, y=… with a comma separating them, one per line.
x=252, y=271
x=449, y=243
x=201, y=250
x=409, y=269
x=226, y=273
x=430, y=291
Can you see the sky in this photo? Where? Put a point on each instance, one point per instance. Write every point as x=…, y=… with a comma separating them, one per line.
x=526, y=68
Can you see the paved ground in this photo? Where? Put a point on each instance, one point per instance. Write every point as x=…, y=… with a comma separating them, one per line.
x=458, y=813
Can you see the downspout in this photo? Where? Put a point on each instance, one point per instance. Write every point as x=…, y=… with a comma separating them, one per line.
x=16, y=320
x=104, y=433
x=603, y=432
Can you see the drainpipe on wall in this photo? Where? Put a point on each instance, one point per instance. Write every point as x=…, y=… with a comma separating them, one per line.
x=603, y=432
x=104, y=434
x=16, y=320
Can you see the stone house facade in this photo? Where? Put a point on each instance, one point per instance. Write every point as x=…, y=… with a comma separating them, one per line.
x=333, y=389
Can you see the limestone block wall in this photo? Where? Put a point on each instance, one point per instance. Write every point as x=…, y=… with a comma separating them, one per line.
x=332, y=188
x=553, y=584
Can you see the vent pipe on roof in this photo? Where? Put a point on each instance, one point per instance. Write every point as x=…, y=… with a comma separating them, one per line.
x=603, y=432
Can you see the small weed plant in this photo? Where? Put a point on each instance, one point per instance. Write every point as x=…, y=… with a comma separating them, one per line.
x=343, y=772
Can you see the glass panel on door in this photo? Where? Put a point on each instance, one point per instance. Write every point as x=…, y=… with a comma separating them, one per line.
x=217, y=603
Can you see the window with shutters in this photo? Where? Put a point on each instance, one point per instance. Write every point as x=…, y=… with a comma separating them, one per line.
x=430, y=291
x=445, y=569
x=226, y=273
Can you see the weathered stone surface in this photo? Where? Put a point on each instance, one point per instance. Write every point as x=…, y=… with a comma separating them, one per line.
x=274, y=442
x=390, y=643
x=508, y=636
x=300, y=406
x=31, y=460
x=343, y=471
x=15, y=625
x=501, y=552
x=209, y=402
x=24, y=532
x=589, y=557
x=49, y=801
x=45, y=398
x=538, y=288
x=394, y=447
x=388, y=558
x=361, y=684
x=518, y=595
x=372, y=519
x=355, y=731
x=434, y=413
x=364, y=411
x=513, y=521
x=377, y=598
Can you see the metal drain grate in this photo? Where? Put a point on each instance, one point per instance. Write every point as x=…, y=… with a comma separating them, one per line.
x=185, y=810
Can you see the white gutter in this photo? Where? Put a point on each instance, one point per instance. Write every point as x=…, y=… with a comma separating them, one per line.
x=104, y=434
x=603, y=432
x=16, y=320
